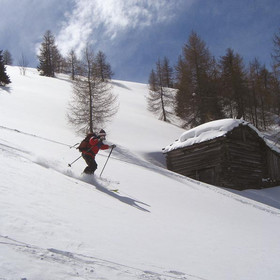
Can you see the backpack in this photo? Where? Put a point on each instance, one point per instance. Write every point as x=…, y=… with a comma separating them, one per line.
x=84, y=145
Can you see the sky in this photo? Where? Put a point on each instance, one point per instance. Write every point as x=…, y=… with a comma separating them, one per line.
x=134, y=34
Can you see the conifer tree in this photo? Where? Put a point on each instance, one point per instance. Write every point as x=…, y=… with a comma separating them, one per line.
x=233, y=77
x=93, y=103
x=8, y=60
x=49, y=58
x=276, y=71
x=275, y=89
x=160, y=95
x=260, y=95
x=184, y=108
x=4, y=78
x=102, y=67
x=167, y=73
x=276, y=54
x=73, y=64
x=196, y=98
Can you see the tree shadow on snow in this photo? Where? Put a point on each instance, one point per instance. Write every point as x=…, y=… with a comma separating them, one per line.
x=121, y=85
x=5, y=89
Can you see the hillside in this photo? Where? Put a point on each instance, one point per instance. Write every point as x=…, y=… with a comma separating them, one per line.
x=59, y=224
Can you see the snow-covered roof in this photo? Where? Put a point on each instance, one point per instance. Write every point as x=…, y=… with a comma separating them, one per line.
x=208, y=131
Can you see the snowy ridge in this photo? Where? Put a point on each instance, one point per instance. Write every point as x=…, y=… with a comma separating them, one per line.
x=59, y=224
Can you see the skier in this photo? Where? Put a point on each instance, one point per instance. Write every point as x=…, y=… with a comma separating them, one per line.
x=94, y=144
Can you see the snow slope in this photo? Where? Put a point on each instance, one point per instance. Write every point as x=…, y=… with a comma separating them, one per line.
x=58, y=224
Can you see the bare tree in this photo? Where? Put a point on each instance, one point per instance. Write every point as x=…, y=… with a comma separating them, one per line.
x=93, y=103
x=23, y=63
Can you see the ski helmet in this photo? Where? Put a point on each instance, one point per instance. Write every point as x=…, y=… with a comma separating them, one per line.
x=102, y=133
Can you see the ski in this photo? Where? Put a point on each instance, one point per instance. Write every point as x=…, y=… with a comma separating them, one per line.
x=109, y=181
x=100, y=182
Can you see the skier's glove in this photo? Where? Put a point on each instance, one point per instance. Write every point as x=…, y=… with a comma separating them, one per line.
x=113, y=146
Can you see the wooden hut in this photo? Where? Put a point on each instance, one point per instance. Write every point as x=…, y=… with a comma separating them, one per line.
x=228, y=153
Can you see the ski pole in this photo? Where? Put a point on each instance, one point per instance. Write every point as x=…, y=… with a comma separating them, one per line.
x=106, y=162
x=70, y=164
x=74, y=145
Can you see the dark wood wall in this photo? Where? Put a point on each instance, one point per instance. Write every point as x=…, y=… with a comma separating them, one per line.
x=201, y=162
x=273, y=166
x=240, y=160
x=245, y=159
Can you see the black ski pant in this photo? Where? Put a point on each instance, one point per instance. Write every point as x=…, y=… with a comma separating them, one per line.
x=92, y=165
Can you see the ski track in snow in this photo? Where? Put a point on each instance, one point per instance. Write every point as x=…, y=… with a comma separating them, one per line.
x=90, y=267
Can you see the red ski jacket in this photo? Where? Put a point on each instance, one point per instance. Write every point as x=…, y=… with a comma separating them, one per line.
x=95, y=144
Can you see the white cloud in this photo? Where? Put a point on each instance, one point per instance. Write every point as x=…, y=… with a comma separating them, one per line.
x=112, y=17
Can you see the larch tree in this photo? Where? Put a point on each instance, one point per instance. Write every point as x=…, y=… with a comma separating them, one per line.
x=72, y=63
x=93, y=103
x=196, y=98
x=276, y=53
x=233, y=75
x=102, y=67
x=49, y=57
x=276, y=70
x=167, y=73
x=260, y=95
x=160, y=95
